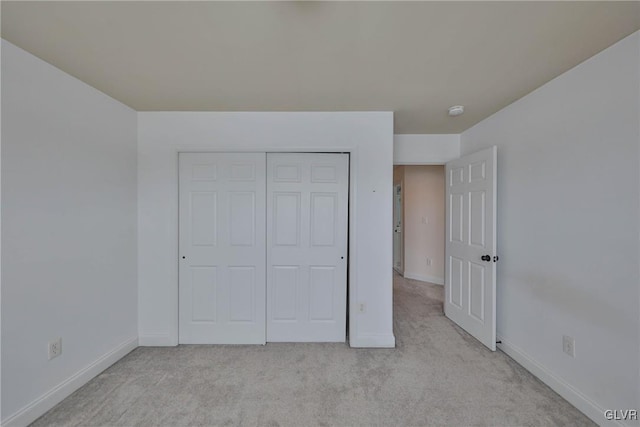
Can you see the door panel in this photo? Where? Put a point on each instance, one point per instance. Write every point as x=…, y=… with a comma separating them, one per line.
x=456, y=281
x=286, y=219
x=287, y=173
x=222, y=248
x=322, y=288
x=470, y=282
x=323, y=219
x=476, y=291
x=284, y=293
x=307, y=202
x=242, y=283
x=456, y=217
x=203, y=287
x=203, y=218
x=243, y=171
x=477, y=219
x=242, y=218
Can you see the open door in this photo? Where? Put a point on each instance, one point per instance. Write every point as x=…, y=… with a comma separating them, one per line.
x=470, y=249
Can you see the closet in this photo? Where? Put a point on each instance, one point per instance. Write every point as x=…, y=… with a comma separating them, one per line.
x=262, y=247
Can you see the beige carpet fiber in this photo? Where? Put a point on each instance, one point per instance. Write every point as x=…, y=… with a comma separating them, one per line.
x=438, y=376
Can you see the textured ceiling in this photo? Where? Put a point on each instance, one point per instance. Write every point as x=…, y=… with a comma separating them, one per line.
x=415, y=58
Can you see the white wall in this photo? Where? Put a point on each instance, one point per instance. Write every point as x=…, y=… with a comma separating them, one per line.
x=369, y=138
x=423, y=197
x=68, y=233
x=432, y=149
x=568, y=230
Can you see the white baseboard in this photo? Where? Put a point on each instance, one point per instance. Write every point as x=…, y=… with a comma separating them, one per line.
x=41, y=405
x=156, y=340
x=373, y=341
x=422, y=278
x=585, y=405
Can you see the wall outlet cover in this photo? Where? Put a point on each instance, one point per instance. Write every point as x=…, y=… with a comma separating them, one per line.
x=55, y=348
x=569, y=345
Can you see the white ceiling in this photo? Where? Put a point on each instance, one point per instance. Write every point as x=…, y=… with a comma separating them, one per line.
x=415, y=58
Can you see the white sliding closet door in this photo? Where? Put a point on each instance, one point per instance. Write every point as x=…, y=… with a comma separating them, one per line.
x=222, y=248
x=307, y=196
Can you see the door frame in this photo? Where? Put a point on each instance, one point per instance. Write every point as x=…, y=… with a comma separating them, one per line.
x=352, y=296
x=404, y=210
x=400, y=269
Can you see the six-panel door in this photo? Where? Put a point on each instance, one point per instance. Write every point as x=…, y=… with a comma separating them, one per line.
x=222, y=248
x=307, y=196
x=470, y=280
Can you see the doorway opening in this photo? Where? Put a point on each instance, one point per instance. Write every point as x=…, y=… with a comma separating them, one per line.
x=419, y=222
x=462, y=229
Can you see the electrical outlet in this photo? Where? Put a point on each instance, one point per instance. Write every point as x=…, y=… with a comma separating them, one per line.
x=569, y=345
x=362, y=307
x=55, y=348
x=428, y=262
x=425, y=220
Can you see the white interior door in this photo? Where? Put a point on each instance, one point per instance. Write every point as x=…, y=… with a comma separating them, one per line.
x=397, y=229
x=470, y=284
x=307, y=210
x=222, y=248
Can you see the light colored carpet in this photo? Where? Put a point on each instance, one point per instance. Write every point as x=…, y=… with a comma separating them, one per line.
x=437, y=375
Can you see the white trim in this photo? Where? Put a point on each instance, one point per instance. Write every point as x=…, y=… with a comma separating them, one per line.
x=157, y=340
x=373, y=341
x=584, y=404
x=420, y=277
x=41, y=405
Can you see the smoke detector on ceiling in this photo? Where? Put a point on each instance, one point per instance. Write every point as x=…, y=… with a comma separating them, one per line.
x=456, y=110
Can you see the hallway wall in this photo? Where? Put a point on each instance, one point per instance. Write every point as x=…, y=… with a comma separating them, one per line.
x=424, y=221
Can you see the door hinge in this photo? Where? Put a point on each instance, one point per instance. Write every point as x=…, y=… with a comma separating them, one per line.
x=495, y=258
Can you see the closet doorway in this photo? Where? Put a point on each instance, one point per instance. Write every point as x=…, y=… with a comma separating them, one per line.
x=263, y=247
